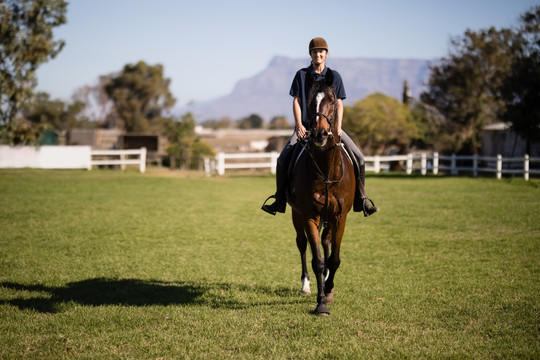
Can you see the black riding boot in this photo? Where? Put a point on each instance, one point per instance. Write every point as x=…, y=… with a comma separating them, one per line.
x=281, y=184
x=361, y=201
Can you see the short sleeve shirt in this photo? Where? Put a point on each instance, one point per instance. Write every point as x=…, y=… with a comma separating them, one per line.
x=298, y=88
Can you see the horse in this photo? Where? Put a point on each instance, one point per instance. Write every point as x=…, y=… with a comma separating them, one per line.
x=321, y=192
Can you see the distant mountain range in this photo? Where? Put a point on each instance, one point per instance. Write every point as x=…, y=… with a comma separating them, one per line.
x=267, y=93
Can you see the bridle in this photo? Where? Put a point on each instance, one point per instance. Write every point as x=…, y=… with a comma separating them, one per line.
x=329, y=120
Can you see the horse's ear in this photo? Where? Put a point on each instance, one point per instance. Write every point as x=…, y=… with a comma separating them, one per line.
x=329, y=77
x=309, y=79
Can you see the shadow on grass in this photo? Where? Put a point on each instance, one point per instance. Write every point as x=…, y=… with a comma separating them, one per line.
x=133, y=292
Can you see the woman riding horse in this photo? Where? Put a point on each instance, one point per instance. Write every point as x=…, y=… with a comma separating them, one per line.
x=318, y=50
x=321, y=192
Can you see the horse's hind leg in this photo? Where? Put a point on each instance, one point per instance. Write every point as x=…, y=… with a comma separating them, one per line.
x=301, y=243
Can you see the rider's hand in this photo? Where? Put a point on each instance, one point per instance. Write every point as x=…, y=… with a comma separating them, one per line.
x=339, y=131
x=301, y=131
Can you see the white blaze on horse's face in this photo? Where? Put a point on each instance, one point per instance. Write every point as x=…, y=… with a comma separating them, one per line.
x=319, y=98
x=320, y=139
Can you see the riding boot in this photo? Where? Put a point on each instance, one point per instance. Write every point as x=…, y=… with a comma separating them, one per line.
x=361, y=201
x=280, y=203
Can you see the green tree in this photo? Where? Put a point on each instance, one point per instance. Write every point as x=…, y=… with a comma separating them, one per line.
x=465, y=87
x=141, y=96
x=253, y=121
x=379, y=123
x=279, y=122
x=52, y=114
x=521, y=87
x=26, y=42
x=40, y=113
x=185, y=148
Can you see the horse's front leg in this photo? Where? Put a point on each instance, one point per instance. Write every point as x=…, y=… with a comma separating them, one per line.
x=301, y=243
x=326, y=240
x=318, y=266
x=333, y=261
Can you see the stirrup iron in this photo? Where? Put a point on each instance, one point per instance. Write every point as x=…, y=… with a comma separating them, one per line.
x=365, y=207
x=266, y=208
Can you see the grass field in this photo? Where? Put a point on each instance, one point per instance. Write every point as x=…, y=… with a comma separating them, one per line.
x=122, y=265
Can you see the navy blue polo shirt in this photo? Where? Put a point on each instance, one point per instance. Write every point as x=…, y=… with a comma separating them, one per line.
x=298, y=88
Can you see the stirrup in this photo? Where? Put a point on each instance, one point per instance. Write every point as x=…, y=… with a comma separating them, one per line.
x=268, y=208
x=367, y=208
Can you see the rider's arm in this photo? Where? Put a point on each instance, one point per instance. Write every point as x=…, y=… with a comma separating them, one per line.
x=297, y=112
x=339, y=115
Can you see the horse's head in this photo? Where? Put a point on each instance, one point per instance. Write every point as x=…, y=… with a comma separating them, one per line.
x=322, y=109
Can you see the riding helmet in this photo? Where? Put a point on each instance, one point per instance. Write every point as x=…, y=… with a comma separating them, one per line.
x=317, y=43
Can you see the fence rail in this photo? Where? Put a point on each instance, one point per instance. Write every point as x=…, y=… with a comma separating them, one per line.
x=221, y=162
x=120, y=157
x=424, y=163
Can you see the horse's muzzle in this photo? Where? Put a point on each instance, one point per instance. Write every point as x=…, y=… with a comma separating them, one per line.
x=320, y=137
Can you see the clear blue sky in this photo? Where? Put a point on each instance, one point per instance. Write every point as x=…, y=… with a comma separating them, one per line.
x=206, y=46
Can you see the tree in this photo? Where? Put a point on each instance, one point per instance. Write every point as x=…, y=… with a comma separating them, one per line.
x=253, y=121
x=26, y=42
x=279, y=122
x=98, y=106
x=465, y=87
x=521, y=87
x=379, y=123
x=53, y=114
x=141, y=96
x=185, y=147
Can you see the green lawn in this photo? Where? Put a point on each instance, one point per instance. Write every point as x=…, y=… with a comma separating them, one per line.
x=121, y=265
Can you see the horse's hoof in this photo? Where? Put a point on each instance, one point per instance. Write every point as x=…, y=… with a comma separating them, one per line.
x=305, y=292
x=321, y=310
x=330, y=298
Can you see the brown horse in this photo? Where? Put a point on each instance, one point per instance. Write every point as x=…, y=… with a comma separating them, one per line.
x=322, y=192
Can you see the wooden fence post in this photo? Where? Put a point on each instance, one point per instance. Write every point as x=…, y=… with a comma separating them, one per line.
x=142, y=165
x=475, y=165
x=273, y=161
x=526, y=167
x=409, y=163
x=453, y=165
x=424, y=164
x=499, y=166
x=220, y=163
x=435, y=163
x=377, y=164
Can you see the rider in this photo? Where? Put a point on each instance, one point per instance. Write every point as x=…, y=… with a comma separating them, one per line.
x=318, y=50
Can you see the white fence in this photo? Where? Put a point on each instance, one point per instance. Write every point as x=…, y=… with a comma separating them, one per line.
x=68, y=157
x=45, y=157
x=120, y=157
x=222, y=162
x=423, y=163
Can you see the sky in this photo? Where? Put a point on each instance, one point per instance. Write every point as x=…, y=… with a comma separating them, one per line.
x=206, y=46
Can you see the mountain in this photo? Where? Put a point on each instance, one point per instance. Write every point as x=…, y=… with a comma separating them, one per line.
x=267, y=93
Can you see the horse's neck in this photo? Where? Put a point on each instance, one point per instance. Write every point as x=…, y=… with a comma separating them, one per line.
x=327, y=159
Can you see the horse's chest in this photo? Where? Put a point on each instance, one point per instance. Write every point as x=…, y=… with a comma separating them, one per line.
x=320, y=199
